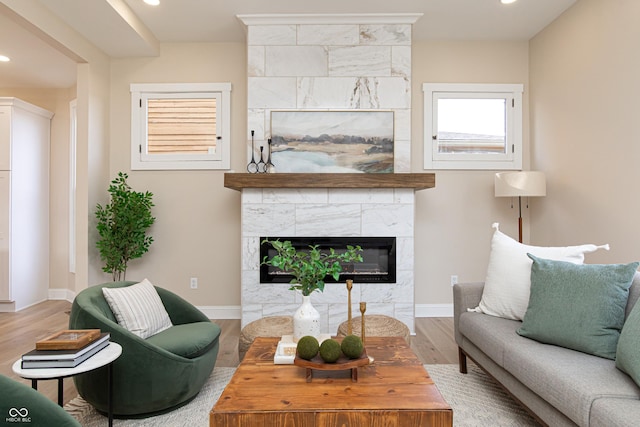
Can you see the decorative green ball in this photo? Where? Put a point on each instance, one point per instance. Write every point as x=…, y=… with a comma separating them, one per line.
x=330, y=350
x=352, y=346
x=307, y=347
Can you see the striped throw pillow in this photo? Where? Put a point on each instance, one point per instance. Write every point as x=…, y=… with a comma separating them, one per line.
x=138, y=308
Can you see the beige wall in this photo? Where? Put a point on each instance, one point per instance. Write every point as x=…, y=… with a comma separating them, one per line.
x=584, y=127
x=197, y=232
x=93, y=87
x=581, y=91
x=197, y=229
x=453, y=220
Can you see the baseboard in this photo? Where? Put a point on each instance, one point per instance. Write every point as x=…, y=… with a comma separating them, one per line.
x=62, y=294
x=434, y=310
x=7, y=306
x=235, y=311
x=222, y=311
x=212, y=312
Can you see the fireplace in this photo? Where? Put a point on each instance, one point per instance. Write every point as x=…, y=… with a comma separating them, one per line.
x=354, y=214
x=378, y=254
x=325, y=80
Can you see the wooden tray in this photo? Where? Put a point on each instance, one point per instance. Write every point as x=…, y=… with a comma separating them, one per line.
x=343, y=363
x=70, y=339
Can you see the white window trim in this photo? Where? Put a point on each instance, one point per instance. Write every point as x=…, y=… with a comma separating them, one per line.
x=222, y=159
x=432, y=160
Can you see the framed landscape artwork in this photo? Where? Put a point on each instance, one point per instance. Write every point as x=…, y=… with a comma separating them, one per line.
x=332, y=141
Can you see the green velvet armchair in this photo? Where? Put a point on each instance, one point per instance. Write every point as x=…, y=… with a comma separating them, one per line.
x=23, y=406
x=153, y=375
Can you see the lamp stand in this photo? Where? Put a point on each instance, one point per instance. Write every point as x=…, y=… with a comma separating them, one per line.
x=520, y=219
x=520, y=184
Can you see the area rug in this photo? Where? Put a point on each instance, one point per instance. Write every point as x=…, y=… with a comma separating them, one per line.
x=194, y=414
x=475, y=398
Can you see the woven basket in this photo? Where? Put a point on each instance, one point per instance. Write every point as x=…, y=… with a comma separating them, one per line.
x=274, y=326
x=376, y=325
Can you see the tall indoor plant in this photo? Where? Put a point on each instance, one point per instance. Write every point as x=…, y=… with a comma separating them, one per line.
x=122, y=226
x=309, y=269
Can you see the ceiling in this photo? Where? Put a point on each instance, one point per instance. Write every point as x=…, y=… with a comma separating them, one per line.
x=125, y=28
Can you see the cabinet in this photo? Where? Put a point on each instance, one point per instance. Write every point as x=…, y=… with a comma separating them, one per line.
x=24, y=203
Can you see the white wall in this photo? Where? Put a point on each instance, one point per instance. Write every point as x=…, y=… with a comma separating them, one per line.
x=56, y=101
x=92, y=91
x=584, y=123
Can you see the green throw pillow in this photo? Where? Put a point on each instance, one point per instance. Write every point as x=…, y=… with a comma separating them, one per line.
x=580, y=307
x=628, y=356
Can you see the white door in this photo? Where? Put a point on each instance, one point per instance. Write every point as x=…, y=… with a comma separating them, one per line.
x=5, y=288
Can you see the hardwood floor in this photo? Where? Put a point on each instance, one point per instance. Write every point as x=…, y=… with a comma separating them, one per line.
x=433, y=343
x=19, y=333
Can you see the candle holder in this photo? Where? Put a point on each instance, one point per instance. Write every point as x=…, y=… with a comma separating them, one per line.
x=252, y=167
x=349, y=318
x=269, y=167
x=363, y=308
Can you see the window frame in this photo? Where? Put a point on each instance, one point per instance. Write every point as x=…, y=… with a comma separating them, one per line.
x=510, y=160
x=141, y=160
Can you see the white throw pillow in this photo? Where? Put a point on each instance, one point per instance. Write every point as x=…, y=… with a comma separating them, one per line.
x=508, y=281
x=138, y=308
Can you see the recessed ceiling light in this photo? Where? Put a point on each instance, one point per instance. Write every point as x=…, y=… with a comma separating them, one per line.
x=4, y=58
x=507, y=1
x=152, y=2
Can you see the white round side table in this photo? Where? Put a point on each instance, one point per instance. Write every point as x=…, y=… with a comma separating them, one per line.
x=104, y=357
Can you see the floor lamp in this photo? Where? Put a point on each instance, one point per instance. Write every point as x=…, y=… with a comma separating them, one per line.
x=520, y=184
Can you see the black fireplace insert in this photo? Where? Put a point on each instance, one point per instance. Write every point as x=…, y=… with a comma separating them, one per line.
x=378, y=254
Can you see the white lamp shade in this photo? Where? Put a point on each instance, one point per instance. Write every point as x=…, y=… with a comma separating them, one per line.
x=524, y=184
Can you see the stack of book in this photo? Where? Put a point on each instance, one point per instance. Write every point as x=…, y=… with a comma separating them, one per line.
x=65, y=349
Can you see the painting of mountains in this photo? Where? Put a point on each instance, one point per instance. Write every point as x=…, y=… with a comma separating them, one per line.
x=332, y=141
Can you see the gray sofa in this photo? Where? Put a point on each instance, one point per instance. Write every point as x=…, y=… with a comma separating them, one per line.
x=560, y=387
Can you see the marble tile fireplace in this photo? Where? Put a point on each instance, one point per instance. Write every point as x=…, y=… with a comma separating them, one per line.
x=329, y=62
x=328, y=212
x=281, y=205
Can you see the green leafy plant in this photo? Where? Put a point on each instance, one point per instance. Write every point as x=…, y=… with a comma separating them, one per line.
x=122, y=226
x=309, y=268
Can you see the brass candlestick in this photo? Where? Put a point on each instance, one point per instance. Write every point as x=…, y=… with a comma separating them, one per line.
x=349, y=287
x=363, y=308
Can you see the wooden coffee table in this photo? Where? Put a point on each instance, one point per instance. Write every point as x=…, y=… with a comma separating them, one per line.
x=395, y=390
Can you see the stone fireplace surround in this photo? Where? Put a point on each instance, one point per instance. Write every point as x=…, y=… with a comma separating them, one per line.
x=329, y=62
x=270, y=208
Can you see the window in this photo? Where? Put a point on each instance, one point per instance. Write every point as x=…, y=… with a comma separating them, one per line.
x=472, y=126
x=180, y=126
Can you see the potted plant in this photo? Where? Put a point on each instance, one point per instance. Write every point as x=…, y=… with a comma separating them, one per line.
x=122, y=226
x=309, y=269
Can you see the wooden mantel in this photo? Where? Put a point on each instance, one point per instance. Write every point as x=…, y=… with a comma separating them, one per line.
x=417, y=181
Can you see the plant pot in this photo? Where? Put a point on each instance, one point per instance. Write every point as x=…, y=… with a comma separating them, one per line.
x=306, y=320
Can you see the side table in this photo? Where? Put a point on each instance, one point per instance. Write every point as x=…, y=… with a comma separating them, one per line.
x=104, y=357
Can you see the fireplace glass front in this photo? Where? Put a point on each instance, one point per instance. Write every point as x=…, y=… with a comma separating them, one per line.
x=378, y=254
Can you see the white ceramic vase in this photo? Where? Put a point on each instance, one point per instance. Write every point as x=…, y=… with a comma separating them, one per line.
x=306, y=320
